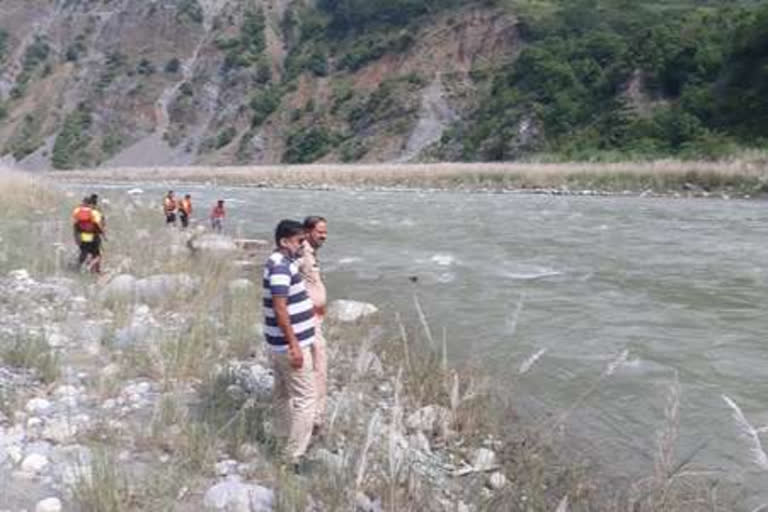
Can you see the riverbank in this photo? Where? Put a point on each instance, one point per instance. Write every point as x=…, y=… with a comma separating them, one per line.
x=737, y=178
x=148, y=389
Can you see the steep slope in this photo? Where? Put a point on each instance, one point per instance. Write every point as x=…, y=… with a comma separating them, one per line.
x=88, y=83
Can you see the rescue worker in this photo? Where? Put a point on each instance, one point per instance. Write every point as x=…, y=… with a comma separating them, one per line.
x=169, y=207
x=88, y=230
x=217, y=216
x=185, y=210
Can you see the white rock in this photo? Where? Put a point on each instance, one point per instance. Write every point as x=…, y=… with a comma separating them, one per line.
x=155, y=289
x=56, y=339
x=213, y=243
x=235, y=496
x=19, y=275
x=497, y=480
x=121, y=288
x=225, y=467
x=60, y=430
x=48, y=505
x=431, y=418
x=365, y=504
x=350, y=310
x=420, y=442
x=15, y=453
x=483, y=459
x=34, y=463
x=38, y=406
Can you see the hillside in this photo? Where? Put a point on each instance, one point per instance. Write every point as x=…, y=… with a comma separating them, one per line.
x=88, y=83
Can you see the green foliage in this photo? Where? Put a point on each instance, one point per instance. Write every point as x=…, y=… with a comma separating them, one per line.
x=306, y=145
x=76, y=49
x=3, y=111
x=374, y=45
x=34, y=55
x=707, y=64
x=3, y=44
x=190, y=10
x=70, y=147
x=263, y=104
x=246, y=49
x=113, y=64
x=26, y=138
x=358, y=15
x=225, y=136
x=110, y=144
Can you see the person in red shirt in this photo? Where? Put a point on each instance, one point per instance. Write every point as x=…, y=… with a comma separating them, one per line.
x=217, y=216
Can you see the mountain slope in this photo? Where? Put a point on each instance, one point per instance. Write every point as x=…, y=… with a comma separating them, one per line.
x=119, y=82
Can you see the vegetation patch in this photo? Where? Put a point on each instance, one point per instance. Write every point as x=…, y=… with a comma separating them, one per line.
x=70, y=148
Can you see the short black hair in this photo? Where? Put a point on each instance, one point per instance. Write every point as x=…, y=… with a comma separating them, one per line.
x=188, y=196
x=94, y=198
x=312, y=221
x=87, y=200
x=287, y=228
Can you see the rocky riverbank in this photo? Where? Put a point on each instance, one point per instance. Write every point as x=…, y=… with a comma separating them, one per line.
x=75, y=397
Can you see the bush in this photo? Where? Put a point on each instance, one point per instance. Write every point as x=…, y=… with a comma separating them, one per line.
x=3, y=44
x=190, y=10
x=263, y=104
x=225, y=136
x=145, y=67
x=69, y=149
x=307, y=145
x=173, y=65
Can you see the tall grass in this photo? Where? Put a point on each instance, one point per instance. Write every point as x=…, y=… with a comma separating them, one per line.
x=747, y=175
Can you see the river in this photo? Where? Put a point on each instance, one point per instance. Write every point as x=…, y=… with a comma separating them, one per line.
x=680, y=284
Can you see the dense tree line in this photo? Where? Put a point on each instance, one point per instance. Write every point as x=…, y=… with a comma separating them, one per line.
x=703, y=73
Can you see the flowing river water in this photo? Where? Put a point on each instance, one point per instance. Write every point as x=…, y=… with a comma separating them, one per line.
x=680, y=284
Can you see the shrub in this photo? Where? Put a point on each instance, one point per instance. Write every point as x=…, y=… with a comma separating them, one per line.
x=173, y=65
x=307, y=145
x=190, y=10
x=145, y=67
x=225, y=136
x=263, y=104
x=69, y=149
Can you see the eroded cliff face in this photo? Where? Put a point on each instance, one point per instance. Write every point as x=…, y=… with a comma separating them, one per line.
x=123, y=82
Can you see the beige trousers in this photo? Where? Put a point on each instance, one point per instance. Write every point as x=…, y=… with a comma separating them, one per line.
x=320, y=363
x=294, y=398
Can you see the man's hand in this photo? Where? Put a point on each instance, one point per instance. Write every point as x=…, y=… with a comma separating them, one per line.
x=297, y=357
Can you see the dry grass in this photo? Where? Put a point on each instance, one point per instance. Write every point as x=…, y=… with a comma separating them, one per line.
x=745, y=175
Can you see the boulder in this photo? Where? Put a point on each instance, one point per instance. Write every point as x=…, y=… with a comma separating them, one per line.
x=483, y=459
x=429, y=419
x=235, y=496
x=38, y=406
x=34, y=463
x=497, y=480
x=212, y=243
x=350, y=310
x=140, y=329
x=121, y=288
x=154, y=289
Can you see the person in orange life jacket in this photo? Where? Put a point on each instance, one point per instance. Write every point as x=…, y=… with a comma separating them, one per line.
x=185, y=210
x=169, y=207
x=217, y=216
x=88, y=230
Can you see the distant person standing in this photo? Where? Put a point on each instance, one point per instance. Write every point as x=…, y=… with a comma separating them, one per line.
x=169, y=207
x=218, y=214
x=289, y=329
x=185, y=210
x=316, y=229
x=88, y=230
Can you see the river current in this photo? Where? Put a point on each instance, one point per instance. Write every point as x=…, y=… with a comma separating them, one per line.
x=681, y=285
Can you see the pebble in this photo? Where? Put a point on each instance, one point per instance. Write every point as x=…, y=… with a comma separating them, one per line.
x=34, y=463
x=48, y=505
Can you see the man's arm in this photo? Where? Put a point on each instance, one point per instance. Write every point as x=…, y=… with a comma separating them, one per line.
x=280, y=305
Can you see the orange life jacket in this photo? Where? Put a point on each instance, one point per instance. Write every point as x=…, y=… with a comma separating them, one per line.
x=170, y=204
x=84, y=219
